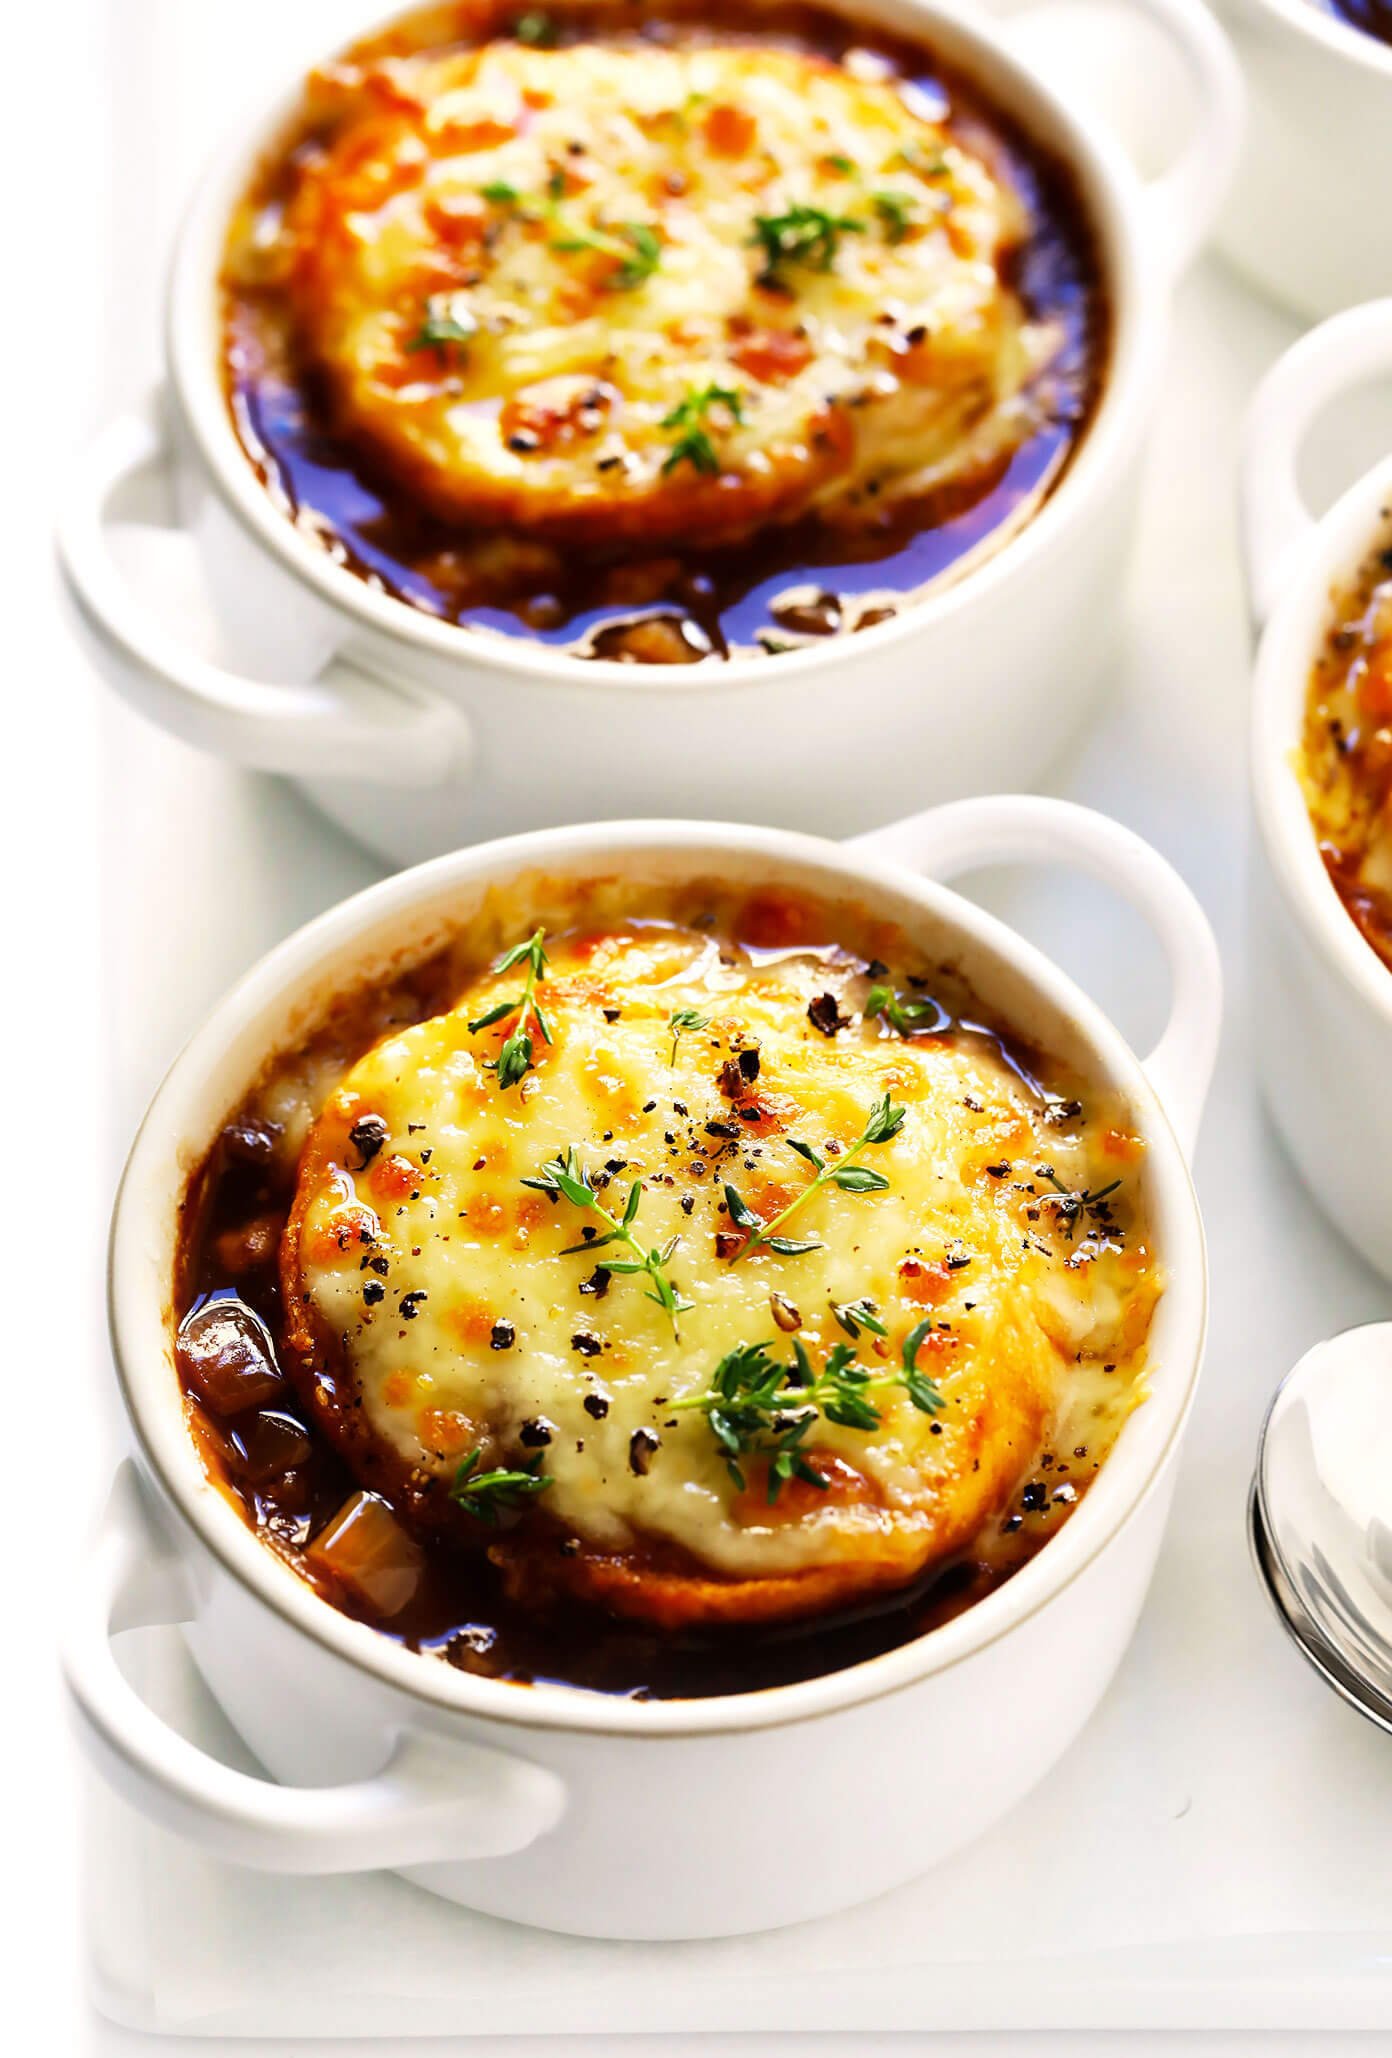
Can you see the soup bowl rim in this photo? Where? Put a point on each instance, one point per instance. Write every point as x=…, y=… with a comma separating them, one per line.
x=1135, y=284
x=186, y=1111
x=1337, y=37
x=1328, y=557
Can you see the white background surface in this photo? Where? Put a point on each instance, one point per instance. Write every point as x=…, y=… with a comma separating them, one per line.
x=107, y=113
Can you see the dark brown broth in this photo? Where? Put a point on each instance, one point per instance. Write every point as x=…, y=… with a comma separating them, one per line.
x=754, y=596
x=1374, y=17
x=1348, y=744
x=460, y=1613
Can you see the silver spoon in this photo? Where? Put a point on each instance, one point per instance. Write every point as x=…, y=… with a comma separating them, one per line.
x=1320, y=1514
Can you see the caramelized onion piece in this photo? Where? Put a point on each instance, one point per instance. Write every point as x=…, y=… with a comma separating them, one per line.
x=266, y=1446
x=367, y=1551
x=248, y=1247
x=656, y=640
x=808, y=611
x=250, y=1142
x=226, y=1354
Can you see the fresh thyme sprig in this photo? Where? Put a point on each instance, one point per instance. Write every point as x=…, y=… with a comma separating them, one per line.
x=446, y=325
x=885, y=1120
x=683, y=1021
x=803, y=235
x=535, y=28
x=760, y=1408
x=929, y=164
x=694, y=446
x=908, y=1014
x=897, y=211
x=490, y=1495
x=1073, y=1207
x=642, y=263
x=857, y=1315
x=514, y=1060
x=568, y=1178
x=635, y=244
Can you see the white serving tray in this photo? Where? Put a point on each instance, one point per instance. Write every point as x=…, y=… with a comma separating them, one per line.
x=1171, y=1875
x=1214, y=1850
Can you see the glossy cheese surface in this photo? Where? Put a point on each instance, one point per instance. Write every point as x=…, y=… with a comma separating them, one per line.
x=652, y=292
x=439, y=1306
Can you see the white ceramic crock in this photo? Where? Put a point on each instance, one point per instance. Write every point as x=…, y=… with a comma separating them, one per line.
x=416, y=735
x=1323, y=998
x=1307, y=219
x=571, y=1810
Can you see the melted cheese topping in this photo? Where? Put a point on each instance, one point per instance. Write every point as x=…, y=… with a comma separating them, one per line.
x=454, y=1312
x=539, y=286
x=1345, y=765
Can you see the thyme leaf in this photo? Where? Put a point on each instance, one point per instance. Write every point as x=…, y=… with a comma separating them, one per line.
x=802, y=235
x=909, y=1014
x=568, y=1179
x=446, y=325
x=535, y=28
x=885, y=1120
x=514, y=1060
x=490, y=1495
x=897, y=211
x=929, y=164
x=635, y=244
x=922, y=1390
x=758, y=1407
x=854, y=1316
x=684, y=1021
x=694, y=446
x=644, y=261
x=1083, y=1206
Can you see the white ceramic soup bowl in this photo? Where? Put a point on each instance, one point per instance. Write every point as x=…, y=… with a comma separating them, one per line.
x=415, y=733
x=1323, y=997
x=1306, y=218
x=568, y=1809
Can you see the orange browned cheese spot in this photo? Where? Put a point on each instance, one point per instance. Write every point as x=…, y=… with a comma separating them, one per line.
x=478, y=135
x=845, y=1487
x=730, y=131
x=394, y=1178
x=342, y=1235
x=485, y=1214
x=442, y=1429
x=458, y=219
x=772, y=354
x=923, y=1282
x=472, y=1322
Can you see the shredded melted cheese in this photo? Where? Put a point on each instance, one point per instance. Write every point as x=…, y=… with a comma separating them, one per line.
x=619, y=348
x=451, y=1299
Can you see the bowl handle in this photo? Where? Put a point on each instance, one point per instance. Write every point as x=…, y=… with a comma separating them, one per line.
x=434, y=1799
x=341, y=724
x=1183, y=200
x=1349, y=351
x=1024, y=828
